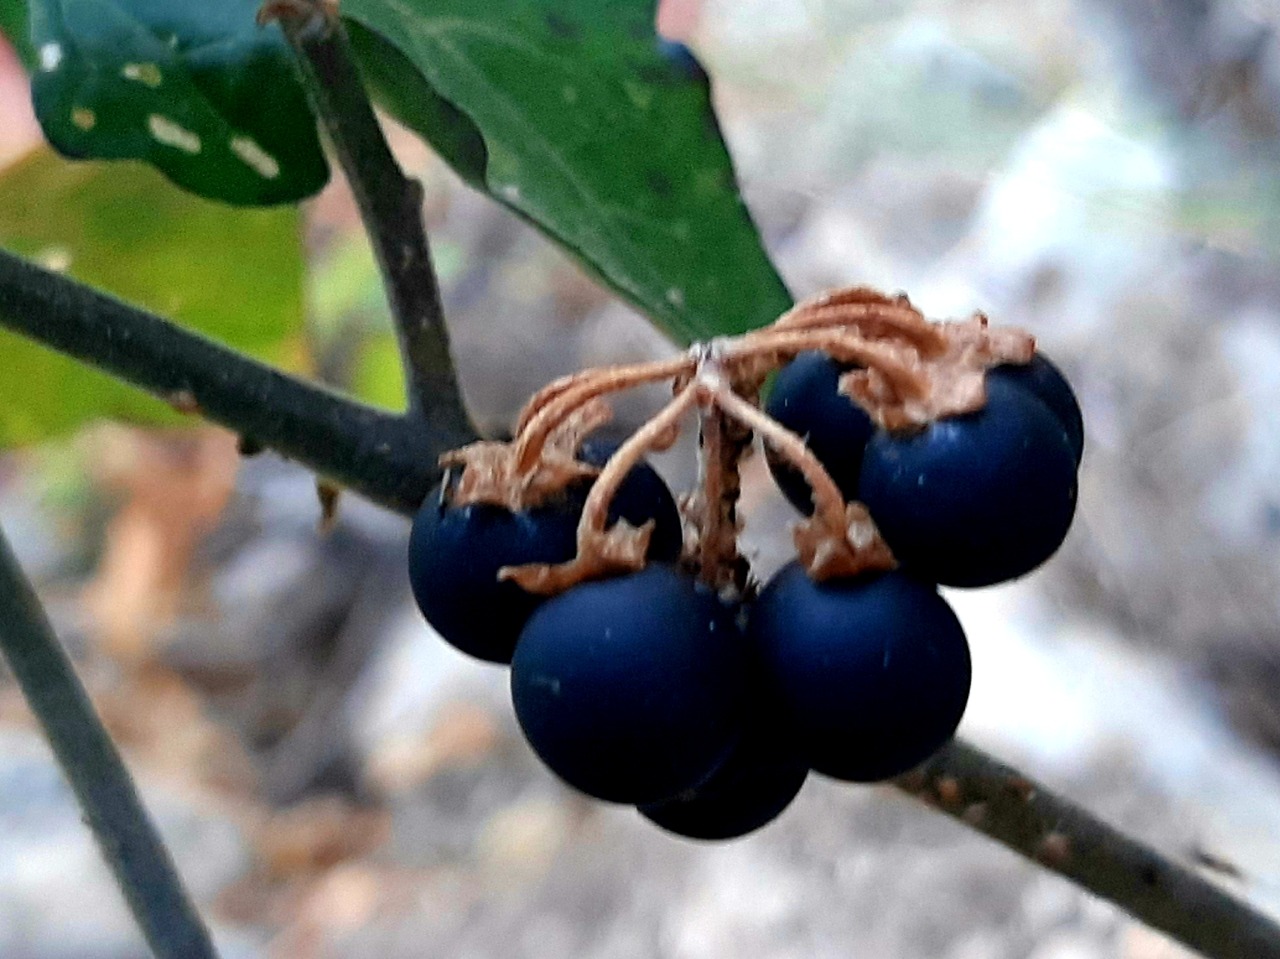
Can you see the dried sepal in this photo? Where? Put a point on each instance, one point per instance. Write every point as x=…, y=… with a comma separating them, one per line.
x=827, y=553
x=949, y=384
x=948, y=391
x=490, y=470
x=618, y=550
x=987, y=344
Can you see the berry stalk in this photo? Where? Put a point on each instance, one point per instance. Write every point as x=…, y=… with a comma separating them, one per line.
x=872, y=315
x=566, y=396
x=839, y=539
x=722, y=443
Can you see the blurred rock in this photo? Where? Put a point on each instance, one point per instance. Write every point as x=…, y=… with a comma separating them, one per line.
x=57, y=897
x=1138, y=942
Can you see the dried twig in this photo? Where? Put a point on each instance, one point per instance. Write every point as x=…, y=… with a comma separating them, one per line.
x=1001, y=802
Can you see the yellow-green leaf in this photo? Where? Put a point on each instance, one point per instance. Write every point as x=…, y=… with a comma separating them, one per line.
x=233, y=274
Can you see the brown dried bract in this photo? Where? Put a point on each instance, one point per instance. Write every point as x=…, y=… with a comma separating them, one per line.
x=828, y=553
x=908, y=372
x=618, y=550
x=491, y=474
x=949, y=384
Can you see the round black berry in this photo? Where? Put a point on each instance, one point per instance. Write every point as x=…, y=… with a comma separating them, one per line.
x=455, y=553
x=630, y=689
x=873, y=670
x=754, y=785
x=1042, y=378
x=806, y=400
x=679, y=56
x=975, y=499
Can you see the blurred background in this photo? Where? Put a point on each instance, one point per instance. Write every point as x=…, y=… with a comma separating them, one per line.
x=336, y=782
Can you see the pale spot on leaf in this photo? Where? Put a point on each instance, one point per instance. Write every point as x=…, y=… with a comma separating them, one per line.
x=258, y=159
x=640, y=96
x=84, y=118
x=148, y=74
x=165, y=131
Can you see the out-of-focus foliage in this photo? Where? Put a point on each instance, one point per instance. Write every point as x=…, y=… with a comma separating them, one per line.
x=233, y=274
x=350, y=323
x=14, y=26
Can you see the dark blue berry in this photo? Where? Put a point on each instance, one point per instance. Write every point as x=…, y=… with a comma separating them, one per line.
x=455, y=553
x=643, y=496
x=755, y=784
x=1045, y=381
x=682, y=58
x=806, y=400
x=873, y=670
x=630, y=689
x=975, y=499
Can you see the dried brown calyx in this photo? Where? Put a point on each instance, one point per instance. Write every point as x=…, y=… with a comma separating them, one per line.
x=910, y=371
x=907, y=373
x=491, y=471
x=605, y=550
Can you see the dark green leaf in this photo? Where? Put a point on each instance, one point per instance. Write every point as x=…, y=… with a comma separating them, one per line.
x=401, y=91
x=595, y=130
x=235, y=275
x=192, y=87
x=14, y=26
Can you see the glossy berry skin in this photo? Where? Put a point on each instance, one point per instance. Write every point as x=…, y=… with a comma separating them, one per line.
x=1042, y=378
x=455, y=554
x=631, y=689
x=873, y=670
x=976, y=499
x=755, y=784
x=806, y=400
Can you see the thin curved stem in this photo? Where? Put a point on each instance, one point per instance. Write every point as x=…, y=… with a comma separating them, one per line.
x=604, y=550
x=828, y=501
x=557, y=387
x=879, y=320
x=575, y=394
x=843, y=347
x=106, y=793
x=658, y=433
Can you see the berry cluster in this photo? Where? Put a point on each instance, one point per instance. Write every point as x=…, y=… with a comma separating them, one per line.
x=647, y=667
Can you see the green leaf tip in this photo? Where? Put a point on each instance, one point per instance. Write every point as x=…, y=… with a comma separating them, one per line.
x=594, y=129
